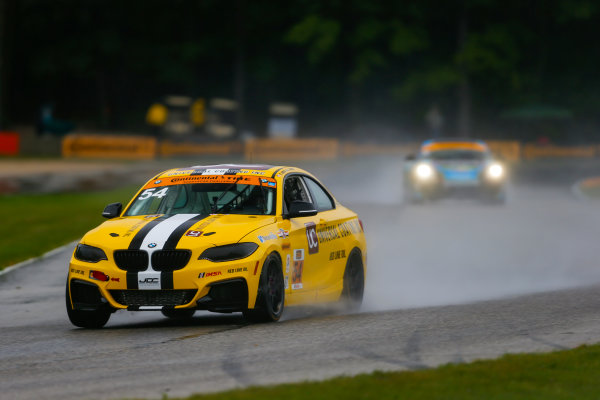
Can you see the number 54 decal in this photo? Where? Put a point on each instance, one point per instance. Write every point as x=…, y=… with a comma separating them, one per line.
x=146, y=194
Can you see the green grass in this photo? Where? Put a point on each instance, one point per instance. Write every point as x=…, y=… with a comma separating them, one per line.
x=591, y=192
x=34, y=224
x=571, y=374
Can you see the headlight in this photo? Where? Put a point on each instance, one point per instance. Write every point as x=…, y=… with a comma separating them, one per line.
x=424, y=171
x=228, y=252
x=89, y=254
x=494, y=171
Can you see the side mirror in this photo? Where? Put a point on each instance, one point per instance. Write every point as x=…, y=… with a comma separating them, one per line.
x=301, y=209
x=112, y=210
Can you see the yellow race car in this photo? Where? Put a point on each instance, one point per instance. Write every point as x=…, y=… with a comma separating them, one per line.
x=223, y=238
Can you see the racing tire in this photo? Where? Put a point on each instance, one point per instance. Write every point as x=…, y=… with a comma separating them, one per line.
x=354, y=282
x=270, y=298
x=86, y=319
x=178, y=313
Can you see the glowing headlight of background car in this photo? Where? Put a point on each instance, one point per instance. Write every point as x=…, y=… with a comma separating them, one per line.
x=494, y=171
x=89, y=253
x=228, y=252
x=423, y=171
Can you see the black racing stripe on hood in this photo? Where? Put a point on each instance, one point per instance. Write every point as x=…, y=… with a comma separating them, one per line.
x=174, y=237
x=132, y=280
x=166, y=280
x=138, y=239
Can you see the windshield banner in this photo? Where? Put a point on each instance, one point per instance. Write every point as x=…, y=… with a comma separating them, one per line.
x=241, y=179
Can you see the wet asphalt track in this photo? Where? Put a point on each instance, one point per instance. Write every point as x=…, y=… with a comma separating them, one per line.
x=447, y=282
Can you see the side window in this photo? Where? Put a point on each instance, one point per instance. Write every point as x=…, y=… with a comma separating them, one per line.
x=321, y=199
x=294, y=190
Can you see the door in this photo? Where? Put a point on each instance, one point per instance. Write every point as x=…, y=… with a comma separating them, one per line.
x=311, y=246
x=333, y=246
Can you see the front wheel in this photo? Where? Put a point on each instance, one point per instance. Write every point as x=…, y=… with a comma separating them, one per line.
x=354, y=282
x=271, y=294
x=92, y=319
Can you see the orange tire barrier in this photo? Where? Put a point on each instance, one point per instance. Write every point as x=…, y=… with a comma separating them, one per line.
x=532, y=151
x=168, y=149
x=109, y=146
x=351, y=149
x=510, y=150
x=9, y=143
x=291, y=149
x=590, y=183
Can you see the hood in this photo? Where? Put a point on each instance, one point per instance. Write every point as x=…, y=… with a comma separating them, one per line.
x=460, y=165
x=184, y=231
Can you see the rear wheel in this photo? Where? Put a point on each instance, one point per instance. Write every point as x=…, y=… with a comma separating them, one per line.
x=354, y=282
x=178, y=313
x=271, y=295
x=91, y=319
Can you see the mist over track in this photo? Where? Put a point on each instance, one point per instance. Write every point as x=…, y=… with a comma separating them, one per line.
x=449, y=281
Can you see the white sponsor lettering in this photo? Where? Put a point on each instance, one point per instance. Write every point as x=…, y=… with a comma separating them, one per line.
x=146, y=194
x=215, y=171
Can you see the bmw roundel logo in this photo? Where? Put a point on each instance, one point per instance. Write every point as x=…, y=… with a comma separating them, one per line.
x=157, y=182
x=152, y=245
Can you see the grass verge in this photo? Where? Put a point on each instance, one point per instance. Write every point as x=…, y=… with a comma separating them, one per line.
x=570, y=374
x=590, y=188
x=34, y=224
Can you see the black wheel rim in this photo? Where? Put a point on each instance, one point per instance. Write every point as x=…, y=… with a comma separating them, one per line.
x=274, y=288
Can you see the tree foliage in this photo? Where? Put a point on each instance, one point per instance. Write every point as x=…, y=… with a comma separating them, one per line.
x=104, y=62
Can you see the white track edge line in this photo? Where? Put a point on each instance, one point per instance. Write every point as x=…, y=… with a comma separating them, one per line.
x=34, y=259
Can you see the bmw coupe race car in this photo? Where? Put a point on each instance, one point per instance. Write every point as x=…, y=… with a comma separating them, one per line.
x=454, y=166
x=223, y=238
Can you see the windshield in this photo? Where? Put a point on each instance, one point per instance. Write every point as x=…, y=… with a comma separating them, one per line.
x=205, y=198
x=462, y=155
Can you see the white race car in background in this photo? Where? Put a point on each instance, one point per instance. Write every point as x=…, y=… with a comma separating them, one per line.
x=445, y=167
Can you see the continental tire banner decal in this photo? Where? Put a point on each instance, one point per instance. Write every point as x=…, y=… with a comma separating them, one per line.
x=109, y=146
x=241, y=179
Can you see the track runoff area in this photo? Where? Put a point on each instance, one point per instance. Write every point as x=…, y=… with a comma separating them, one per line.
x=452, y=281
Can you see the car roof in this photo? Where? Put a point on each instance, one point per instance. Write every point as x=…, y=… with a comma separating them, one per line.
x=453, y=144
x=230, y=169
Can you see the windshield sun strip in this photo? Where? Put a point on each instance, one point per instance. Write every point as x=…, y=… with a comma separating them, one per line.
x=241, y=179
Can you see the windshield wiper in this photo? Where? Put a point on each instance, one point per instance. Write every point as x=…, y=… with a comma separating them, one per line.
x=234, y=199
x=262, y=197
x=216, y=199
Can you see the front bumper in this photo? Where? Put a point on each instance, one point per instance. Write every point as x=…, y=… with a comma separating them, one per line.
x=441, y=187
x=220, y=287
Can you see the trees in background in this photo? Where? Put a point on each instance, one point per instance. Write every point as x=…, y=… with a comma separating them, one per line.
x=346, y=63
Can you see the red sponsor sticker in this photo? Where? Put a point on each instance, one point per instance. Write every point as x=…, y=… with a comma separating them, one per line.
x=209, y=274
x=193, y=233
x=312, y=238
